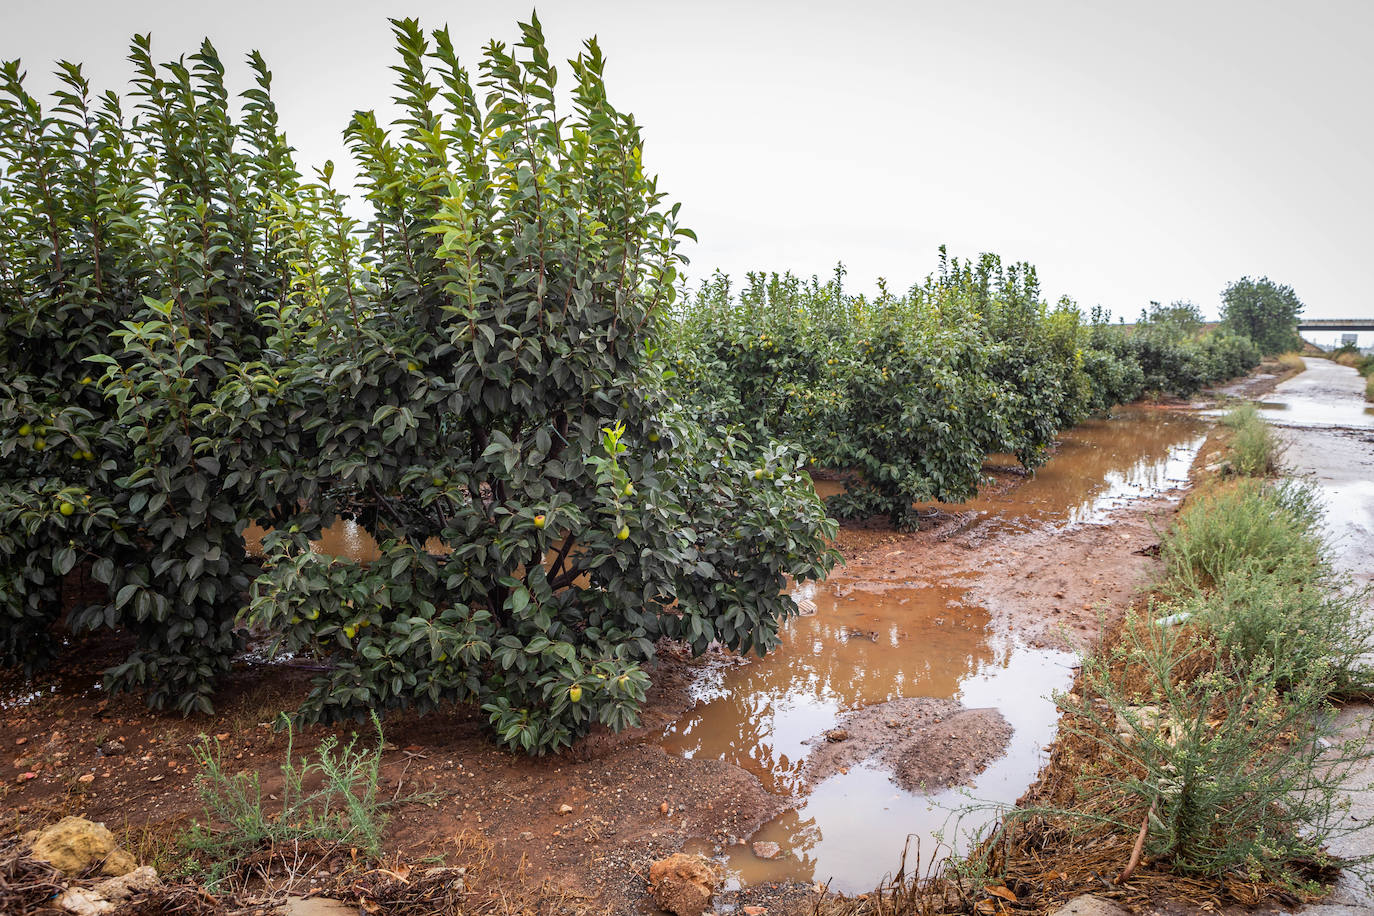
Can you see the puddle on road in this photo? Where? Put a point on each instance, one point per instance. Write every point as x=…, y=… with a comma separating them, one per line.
x=1329, y=430
x=1326, y=394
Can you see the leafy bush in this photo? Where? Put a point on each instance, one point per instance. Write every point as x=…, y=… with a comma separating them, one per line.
x=498, y=389
x=907, y=394
x=139, y=248
x=202, y=339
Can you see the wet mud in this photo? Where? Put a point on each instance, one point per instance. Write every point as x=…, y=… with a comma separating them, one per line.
x=926, y=744
x=967, y=626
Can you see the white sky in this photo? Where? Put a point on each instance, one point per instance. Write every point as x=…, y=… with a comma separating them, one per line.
x=1131, y=151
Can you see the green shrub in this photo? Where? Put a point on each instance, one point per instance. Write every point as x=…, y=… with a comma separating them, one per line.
x=134, y=255
x=330, y=802
x=488, y=376
x=1229, y=759
x=1309, y=629
x=199, y=340
x=1254, y=449
x=1273, y=528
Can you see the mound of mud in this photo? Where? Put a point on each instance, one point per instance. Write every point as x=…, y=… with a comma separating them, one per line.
x=927, y=744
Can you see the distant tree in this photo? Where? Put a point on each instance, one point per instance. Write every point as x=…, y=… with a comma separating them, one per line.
x=1179, y=320
x=1265, y=311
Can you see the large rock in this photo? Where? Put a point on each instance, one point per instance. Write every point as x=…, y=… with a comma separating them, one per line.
x=683, y=884
x=74, y=844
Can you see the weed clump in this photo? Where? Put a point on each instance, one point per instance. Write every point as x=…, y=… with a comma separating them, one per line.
x=1246, y=524
x=327, y=803
x=1255, y=448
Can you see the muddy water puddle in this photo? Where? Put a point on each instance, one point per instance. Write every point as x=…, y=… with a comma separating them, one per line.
x=884, y=640
x=1099, y=466
x=861, y=648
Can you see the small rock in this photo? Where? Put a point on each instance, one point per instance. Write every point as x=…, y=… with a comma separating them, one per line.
x=110, y=749
x=74, y=844
x=837, y=734
x=683, y=884
x=767, y=850
x=140, y=880
x=565, y=809
x=84, y=902
x=526, y=836
x=754, y=910
x=663, y=808
x=1089, y=905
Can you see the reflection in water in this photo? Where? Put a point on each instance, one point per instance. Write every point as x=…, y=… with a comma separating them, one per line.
x=1326, y=394
x=1099, y=466
x=851, y=829
x=856, y=650
x=1329, y=437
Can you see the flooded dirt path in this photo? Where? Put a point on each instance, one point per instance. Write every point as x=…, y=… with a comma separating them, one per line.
x=1328, y=428
x=1329, y=431
x=983, y=610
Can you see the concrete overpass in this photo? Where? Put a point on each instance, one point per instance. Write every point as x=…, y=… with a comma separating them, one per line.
x=1335, y=324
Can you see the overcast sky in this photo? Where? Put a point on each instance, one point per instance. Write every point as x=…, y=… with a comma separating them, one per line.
x=1133, y=152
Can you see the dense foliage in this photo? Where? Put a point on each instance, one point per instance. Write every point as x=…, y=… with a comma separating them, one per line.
x=197, y=338
x=1265, y=311
x=907, y=394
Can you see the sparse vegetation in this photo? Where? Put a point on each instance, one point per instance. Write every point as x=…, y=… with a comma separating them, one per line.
x=322, y=804
x=1255, y=450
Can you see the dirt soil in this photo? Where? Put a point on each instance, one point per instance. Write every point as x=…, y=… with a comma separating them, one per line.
x=927, y=744
x=70, y=749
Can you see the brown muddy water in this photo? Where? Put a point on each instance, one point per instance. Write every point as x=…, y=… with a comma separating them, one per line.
x=1099, y=466
x=883, y=640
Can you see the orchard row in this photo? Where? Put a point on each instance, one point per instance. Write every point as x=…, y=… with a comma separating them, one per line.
x=197, y=336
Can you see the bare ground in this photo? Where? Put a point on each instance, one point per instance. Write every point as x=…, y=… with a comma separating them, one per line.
x=927, y=744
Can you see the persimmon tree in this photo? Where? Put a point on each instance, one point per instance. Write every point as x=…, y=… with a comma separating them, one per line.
x=196, y=339
x=480, y=374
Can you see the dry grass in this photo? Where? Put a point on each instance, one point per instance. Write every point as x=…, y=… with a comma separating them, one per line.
x=1348, y=358
x=1291, y=362
x=476, y=888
